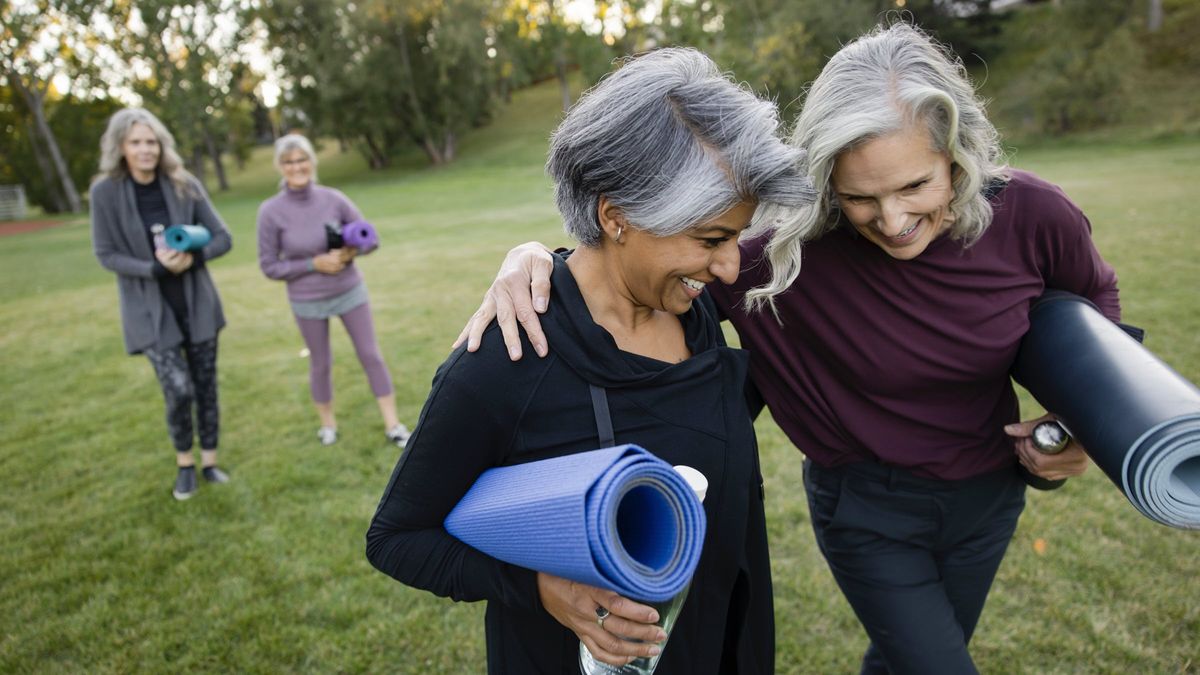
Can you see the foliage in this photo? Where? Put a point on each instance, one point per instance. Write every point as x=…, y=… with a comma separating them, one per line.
x=77, y=125
x=384, y=75
x=104, y=573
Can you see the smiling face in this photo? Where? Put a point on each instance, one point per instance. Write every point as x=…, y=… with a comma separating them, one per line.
x=668, y=273
x=297, y=169
x=141, y=151
x=896, y=191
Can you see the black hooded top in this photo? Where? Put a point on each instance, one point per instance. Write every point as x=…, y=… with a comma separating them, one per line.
x=485, y=410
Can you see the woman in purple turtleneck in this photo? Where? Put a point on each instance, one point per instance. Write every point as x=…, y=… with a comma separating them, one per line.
x=321, y=282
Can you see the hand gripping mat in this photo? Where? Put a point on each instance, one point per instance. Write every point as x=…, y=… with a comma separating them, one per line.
x=187, y=237
x=1138, y=418
x=617, y=518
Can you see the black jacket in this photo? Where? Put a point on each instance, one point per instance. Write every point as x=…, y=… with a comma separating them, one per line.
x=487, y=411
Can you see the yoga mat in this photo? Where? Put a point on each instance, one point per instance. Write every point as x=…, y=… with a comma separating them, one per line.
x=361, y=235
x=618, y=518
x=333, y=236
x=1138, y=419
x=187, y=237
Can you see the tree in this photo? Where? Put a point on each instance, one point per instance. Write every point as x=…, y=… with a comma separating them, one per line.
x=27, y=65
x=385, y=74
x=186, y=67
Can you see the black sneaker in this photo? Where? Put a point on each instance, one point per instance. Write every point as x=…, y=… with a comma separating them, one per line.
x=185, y=483
x=214, y=475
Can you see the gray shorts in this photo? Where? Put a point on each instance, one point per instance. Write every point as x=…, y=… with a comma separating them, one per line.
x=335, y=306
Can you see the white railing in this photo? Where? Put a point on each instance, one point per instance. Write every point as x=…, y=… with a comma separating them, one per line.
x=12, y=202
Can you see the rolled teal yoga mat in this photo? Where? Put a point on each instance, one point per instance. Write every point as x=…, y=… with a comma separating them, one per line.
x=187, y=237
x=617, y=518
x=1138, y=419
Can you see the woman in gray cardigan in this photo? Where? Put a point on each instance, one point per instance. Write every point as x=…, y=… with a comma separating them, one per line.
x=170, y=310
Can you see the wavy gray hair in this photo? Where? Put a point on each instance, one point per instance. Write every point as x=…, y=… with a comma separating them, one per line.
x=892, y=77
x=672, y=143
x=289, y=142
x=112, y=152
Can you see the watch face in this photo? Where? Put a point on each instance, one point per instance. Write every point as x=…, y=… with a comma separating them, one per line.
x=1050, y=437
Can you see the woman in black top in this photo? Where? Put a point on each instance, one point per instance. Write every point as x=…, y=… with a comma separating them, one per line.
x=170, y=310
x=657, y=169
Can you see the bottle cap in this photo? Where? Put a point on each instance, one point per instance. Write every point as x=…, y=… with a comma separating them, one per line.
x=695, y=480
x=1050, y=437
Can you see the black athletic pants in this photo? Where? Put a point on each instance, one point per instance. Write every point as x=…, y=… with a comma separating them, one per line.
x=914, y=556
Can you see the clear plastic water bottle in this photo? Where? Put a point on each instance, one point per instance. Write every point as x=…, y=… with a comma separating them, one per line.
x=668, y=610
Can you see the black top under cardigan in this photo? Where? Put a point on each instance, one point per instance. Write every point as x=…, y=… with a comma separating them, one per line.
x=485, y=411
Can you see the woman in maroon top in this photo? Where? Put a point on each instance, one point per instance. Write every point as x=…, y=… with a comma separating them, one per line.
x=886, y=357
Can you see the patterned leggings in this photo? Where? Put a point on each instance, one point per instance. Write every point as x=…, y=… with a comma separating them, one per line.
x=188, y=373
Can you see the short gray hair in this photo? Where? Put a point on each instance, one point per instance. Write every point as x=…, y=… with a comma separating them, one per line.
x=672, y=143
x=890, y=78
x=287, y=143
x=170, y=164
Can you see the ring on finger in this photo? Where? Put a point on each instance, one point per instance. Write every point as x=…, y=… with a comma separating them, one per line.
x=601, y=614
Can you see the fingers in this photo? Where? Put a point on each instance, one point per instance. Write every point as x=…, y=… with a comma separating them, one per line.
x=1072, y=461
x=480, y=320
x=1025, y=429
x=613, y=650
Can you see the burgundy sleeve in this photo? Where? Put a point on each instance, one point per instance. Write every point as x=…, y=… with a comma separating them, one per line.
x=1068, y=255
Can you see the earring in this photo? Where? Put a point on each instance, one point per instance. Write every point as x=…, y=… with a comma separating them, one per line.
x=620, y=231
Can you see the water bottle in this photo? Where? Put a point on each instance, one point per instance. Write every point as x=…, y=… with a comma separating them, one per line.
x=668, y=610
x=160, y=239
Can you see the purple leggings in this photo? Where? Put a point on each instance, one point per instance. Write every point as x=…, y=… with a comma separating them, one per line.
x=361, y=328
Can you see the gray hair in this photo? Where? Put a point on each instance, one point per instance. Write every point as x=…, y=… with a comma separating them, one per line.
x=287, y=143
x=672, y=143
x=112, y=151
x=886, y=80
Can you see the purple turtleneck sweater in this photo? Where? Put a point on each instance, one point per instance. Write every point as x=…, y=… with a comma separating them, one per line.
x=291, y=231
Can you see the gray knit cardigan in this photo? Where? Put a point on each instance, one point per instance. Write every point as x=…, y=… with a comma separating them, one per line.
x=121, y=245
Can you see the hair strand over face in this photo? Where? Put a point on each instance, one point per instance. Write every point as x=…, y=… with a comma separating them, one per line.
x=886, y=80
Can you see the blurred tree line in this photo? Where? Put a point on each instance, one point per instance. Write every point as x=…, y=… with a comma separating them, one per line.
x=384, y=76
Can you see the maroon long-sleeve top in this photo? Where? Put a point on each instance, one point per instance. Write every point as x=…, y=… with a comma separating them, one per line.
x=907, y=362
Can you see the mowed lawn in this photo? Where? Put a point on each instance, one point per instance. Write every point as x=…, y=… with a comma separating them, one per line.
x=101, y=571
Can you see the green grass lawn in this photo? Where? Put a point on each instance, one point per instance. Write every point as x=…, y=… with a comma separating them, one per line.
x=103, y=572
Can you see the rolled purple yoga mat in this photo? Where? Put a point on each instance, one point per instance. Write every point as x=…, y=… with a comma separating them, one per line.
x=360, y=234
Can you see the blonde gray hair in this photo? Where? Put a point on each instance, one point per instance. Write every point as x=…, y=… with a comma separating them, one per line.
x=112, y=151
x=886, y=80
x=286, y=144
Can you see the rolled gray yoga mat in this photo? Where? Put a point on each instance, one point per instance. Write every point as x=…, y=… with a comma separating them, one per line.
x=1138, y=419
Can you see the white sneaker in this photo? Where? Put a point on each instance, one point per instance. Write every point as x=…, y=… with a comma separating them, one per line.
x=328, y=435
x=399, y=435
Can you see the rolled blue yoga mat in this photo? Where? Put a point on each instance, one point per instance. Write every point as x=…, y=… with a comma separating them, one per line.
x=187, y=237
x=617, y=518
x=1138, y=419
